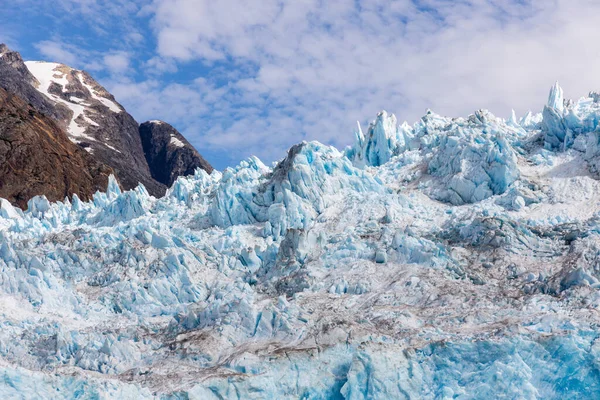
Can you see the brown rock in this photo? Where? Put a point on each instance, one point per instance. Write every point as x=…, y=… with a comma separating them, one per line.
x=37, y=157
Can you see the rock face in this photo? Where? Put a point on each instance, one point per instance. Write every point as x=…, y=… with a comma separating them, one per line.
x=37, y=157
x=168, y=153
x=91, y=120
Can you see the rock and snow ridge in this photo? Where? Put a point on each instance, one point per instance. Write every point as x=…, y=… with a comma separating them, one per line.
x=97, y=125
x=378, y=272
x=59, y=77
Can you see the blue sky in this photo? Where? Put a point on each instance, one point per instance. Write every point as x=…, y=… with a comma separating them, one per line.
x=241, y=78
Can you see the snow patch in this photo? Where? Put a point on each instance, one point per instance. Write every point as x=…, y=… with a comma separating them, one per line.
x=112, y=148
x=108, y=103
x=176, y=142
x=47, y=73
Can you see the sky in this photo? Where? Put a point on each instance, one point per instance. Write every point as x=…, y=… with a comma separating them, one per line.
x=253, y=77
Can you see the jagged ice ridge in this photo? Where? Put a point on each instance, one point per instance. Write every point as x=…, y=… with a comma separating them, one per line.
x=455, y=258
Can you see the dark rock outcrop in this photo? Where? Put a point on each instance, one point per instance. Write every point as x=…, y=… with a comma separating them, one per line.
x=37, y=157
x=168, y=153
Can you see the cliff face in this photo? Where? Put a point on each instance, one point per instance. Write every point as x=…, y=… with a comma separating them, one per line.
x=168, y=153
x=37, y=157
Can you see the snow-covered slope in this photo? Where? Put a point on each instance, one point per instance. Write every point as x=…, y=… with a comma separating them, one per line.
x=56, y=81
x=456, y=258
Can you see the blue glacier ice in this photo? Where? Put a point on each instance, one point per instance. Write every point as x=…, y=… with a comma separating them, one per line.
x=455, y=258
x=471, y=158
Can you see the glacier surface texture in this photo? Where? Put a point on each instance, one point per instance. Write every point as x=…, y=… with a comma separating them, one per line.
x=458, y=258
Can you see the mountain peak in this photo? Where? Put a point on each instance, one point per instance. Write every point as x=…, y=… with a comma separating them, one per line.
x=95, y=121
x=15, y=61
x=70, y=84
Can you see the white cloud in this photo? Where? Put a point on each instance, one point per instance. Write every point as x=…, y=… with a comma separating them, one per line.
x=172, y=103
x=57, y=52
x=117, y=63
x=321, y=65
x=159, y=65
x=135, y=38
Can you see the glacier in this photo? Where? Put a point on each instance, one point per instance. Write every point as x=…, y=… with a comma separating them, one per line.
x=457, y=258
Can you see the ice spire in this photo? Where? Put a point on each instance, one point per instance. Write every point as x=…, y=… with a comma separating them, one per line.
x=360, y=136
x=8, y=211
x=555, y=98
x=513, y=119
x=381, y=138
x=76, y=203
x=113, y=190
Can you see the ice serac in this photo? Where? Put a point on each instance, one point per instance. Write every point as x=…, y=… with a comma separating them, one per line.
x=292, y=194
x=382, y=141
x=463, y=265
x=7, y=211
x=556, y=98
x=565, y=124
x=554, y=126
x=470, y=159
x=572, y=125
x=168, y=153
x=513, y=121
x=474, y=161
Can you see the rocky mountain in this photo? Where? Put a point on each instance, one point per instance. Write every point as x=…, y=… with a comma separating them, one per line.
x=96, y=122
x=168, y=153
x=93, y=120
